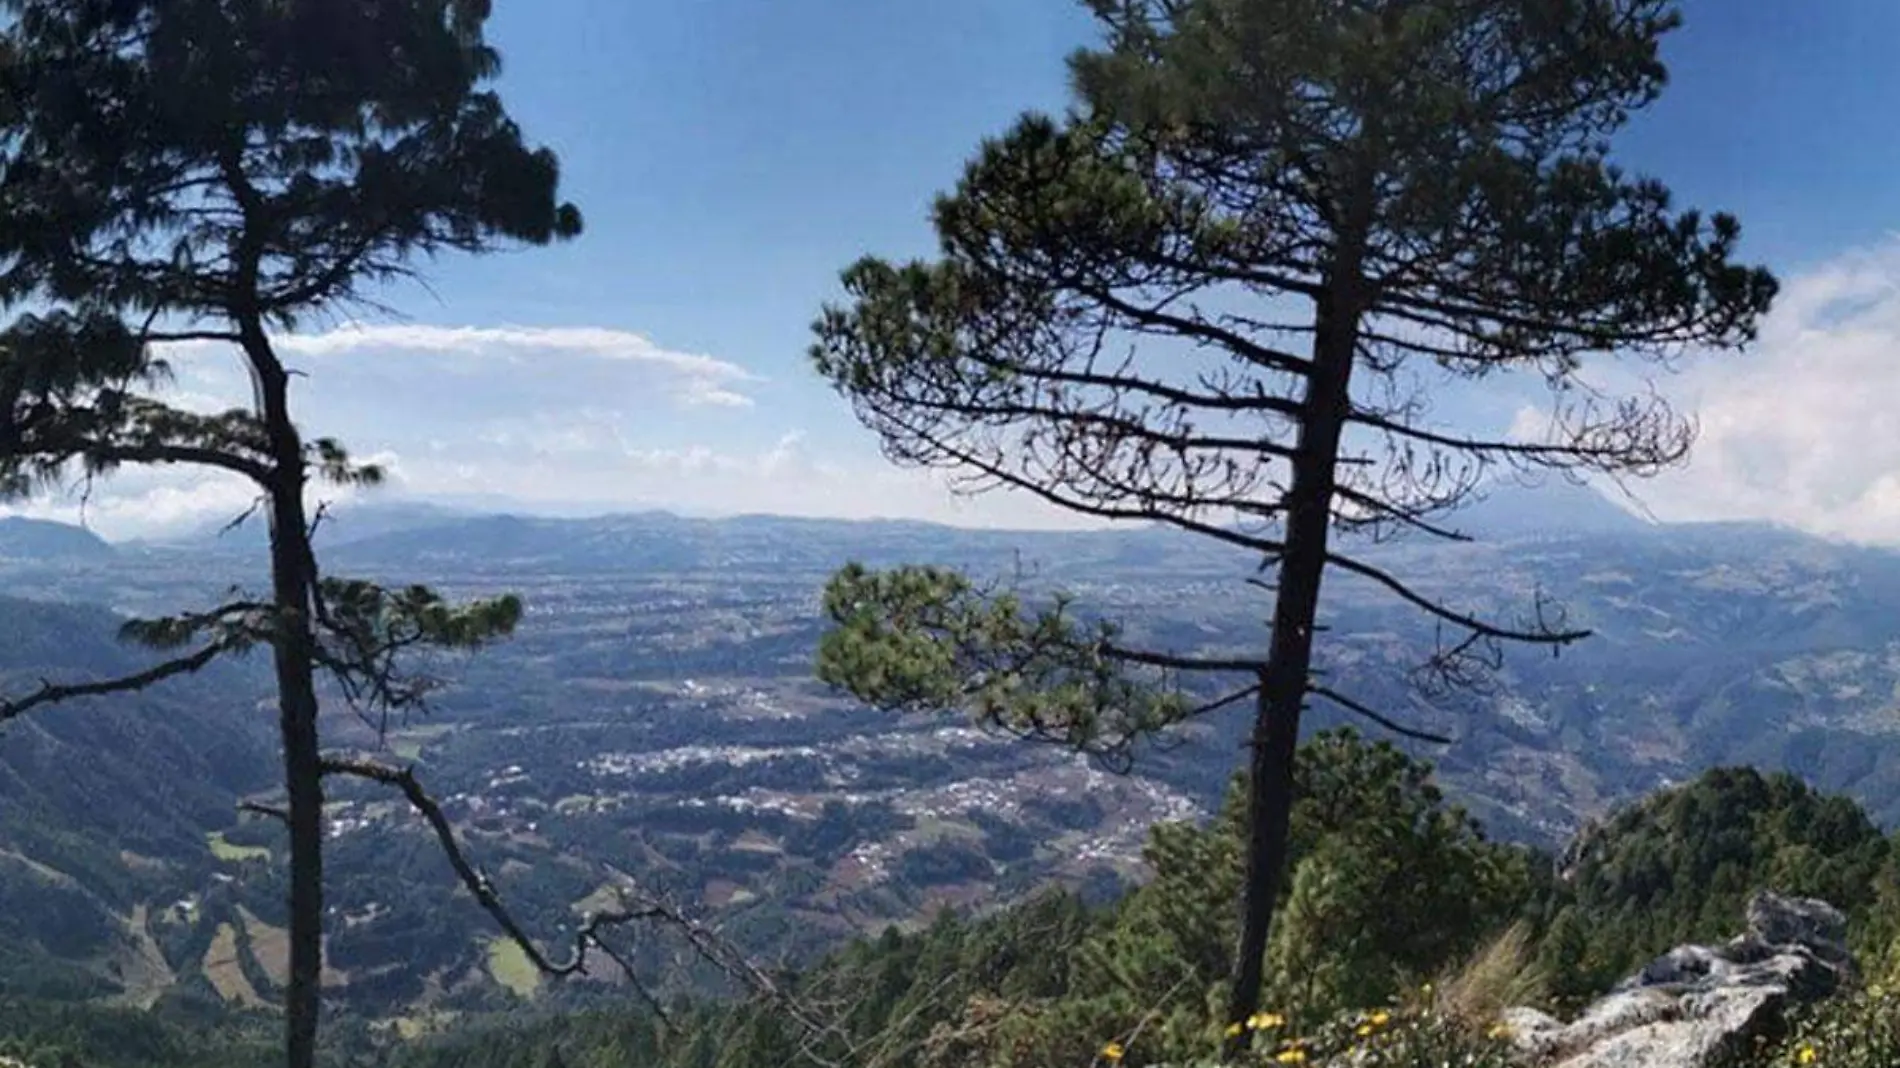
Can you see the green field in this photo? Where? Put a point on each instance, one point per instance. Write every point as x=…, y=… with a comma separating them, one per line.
x=512, y=968
x=408, y=742
x=224, y=850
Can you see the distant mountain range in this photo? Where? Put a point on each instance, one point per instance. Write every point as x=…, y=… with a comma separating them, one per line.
x=1550, y=505
x=43, y=540
x=1506, y=510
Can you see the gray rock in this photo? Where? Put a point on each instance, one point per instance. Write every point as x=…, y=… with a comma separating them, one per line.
x=1694, y=1004
x=1524, y=1022
x=1782, y=921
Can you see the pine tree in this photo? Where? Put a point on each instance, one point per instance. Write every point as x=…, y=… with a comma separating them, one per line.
x=1563, y=953
x=1399, y=884
x=212, y=172
x=1323, y=958
x=1214, y=297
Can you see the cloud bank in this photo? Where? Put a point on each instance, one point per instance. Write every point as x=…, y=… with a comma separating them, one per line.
x=1804, y=428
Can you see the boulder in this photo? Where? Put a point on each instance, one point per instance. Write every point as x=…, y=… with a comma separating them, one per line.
x=1694, y=1004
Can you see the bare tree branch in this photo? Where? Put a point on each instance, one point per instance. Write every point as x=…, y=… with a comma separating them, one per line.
x=478, y=884
x=1209, y=333
x=1354, y=706
x=1578, y=453
x=710, y=946
x=1232, y=537
x=1178, y=663
x=261, y=809
x=1451, y=313
x=161, y=336
x=1123, y=427
x=1540, y=636
x=1382, y=511
x=1222, y=702
x=625, y=964
x=51, y=693
x=178, y=454
x=245, y=516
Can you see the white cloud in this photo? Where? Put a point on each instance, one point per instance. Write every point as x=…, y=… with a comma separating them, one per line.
x=556, y=419
x=137, y=503
x=507, y=343
x=1804, y=428
x=535, y=364
x=1530, y=425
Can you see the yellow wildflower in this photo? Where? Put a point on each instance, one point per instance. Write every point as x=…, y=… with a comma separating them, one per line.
x=1232, y=1030
x=1263, y=1021
x=1382, y=1017
x=1113, y=1052
x=1805, y=1055
x=1292, y=1056
x=1363, y=1030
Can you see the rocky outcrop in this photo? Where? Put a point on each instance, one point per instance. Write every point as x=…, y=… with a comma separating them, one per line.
x=1693, y=1004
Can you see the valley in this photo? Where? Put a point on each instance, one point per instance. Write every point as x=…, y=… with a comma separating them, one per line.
x=656, y=719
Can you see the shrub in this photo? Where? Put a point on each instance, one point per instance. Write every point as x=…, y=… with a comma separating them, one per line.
x=1413, y=1036
x=1857, y=1029
x=1505, y=972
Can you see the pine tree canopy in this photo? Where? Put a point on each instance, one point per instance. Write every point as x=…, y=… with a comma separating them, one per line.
x=217, y=168
x=203, y=171
x=1231, y=160
x=1260, y=219
x=203, y=157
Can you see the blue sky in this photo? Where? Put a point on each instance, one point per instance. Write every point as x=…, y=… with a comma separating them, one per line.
x=731, y=156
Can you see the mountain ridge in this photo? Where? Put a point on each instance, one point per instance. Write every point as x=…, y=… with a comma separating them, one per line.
x=22, y=538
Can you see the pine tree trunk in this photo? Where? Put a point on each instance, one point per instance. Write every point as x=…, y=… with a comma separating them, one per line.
x=294, y=658
x=1276, y=732
x=303, y=779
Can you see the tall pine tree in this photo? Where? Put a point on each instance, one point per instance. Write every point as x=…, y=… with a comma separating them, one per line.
x=1218, y=296
x=214, y=171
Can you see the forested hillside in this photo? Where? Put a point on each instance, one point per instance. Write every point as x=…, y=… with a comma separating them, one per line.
x=104, y=811
x=1053, y=981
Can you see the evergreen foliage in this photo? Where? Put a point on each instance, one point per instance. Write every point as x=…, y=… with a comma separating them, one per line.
x=1680, y=865
x=55, y=1035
